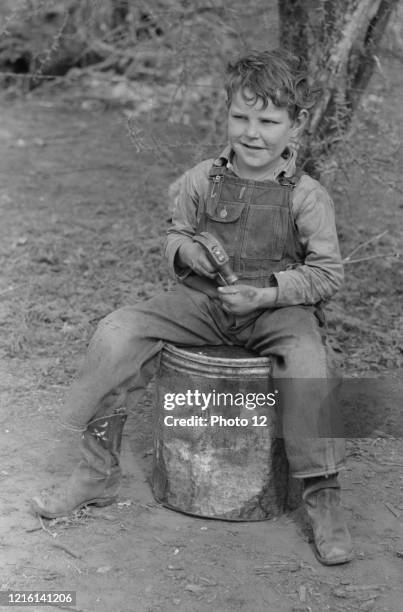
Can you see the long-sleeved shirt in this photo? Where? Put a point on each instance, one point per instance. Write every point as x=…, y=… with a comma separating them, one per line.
x=320, y=274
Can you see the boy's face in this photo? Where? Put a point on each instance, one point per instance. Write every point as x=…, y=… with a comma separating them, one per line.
x=259, y=135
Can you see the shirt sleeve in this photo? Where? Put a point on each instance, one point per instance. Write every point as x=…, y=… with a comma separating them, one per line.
x=192, y=190
x=320, y=274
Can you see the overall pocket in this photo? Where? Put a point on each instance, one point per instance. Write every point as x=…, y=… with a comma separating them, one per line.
x=223, y=220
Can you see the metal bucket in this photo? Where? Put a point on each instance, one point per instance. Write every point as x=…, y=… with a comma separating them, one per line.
x=217, y=453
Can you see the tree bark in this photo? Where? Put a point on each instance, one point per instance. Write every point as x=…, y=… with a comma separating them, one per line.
x=338, y=41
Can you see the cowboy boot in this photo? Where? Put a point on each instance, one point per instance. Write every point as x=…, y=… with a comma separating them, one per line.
x=332, y=540
x=96, y=478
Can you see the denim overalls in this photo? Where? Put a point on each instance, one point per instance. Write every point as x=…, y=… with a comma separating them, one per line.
x=254, y=222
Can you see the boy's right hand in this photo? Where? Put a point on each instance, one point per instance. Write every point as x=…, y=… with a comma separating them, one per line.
x=192, y=255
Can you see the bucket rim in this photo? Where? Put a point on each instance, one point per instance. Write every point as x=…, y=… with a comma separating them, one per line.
x=195, y=354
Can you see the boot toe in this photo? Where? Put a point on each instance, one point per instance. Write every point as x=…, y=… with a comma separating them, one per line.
x=334, y=556
x=51, y=507
x=43, y=506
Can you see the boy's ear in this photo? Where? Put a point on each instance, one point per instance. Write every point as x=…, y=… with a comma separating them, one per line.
x=300, y=122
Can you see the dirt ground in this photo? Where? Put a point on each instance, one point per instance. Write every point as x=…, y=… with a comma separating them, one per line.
x=83, y=214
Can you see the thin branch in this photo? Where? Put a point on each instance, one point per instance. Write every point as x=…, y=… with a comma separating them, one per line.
x=66, y=550
x=363, y=244
x=45, y=528
x=10, y=289
x=352, y=261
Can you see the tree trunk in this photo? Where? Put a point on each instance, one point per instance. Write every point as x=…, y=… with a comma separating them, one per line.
x=338, y=41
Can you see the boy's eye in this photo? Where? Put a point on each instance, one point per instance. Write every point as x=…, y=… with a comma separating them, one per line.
x=244, y=118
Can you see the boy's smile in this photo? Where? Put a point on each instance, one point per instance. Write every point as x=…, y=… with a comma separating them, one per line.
x=258, y=135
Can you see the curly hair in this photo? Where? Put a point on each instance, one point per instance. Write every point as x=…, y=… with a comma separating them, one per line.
x=271, y=75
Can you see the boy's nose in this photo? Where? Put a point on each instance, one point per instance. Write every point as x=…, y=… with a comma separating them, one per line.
x=252, y=130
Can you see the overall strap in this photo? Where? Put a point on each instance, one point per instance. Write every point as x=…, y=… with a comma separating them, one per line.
x=291, y=182
x=216, y=175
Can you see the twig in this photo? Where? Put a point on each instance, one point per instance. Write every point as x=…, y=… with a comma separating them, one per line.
x=363, y=587
x=45, y=528
x=32, y=529
x=392, y=509
x=66, y=550
x=363, y=244
x=10, y=289
x=379, y=66
x=108, y=50
x=75, y=567
x=352, y=261
x=52, y=49
x=269, y=566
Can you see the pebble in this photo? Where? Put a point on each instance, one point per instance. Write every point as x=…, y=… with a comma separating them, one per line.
x=367, y=605
x=104, y=569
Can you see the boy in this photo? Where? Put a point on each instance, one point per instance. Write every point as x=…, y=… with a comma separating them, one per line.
x=277, y=225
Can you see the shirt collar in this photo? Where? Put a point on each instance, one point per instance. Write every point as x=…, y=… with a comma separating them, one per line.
x=286, y=164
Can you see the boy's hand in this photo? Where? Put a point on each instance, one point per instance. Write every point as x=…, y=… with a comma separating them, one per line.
x=243, y=299
x=240, y=299
x=192, y=255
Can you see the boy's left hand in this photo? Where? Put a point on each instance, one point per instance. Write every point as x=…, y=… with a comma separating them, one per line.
x=240, y=299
